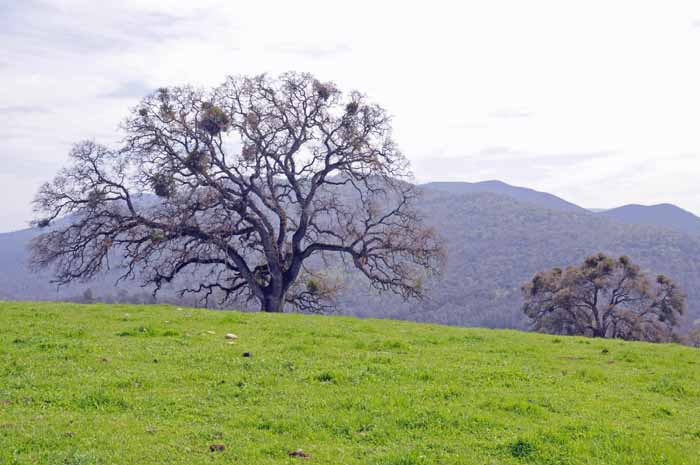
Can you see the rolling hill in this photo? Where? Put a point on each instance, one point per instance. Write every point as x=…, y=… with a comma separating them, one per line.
x=663, y=215
x=494, y=243
x=666, y=216
x=521, y=194
x=152, y=385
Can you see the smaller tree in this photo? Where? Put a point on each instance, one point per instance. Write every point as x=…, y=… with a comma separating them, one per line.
x=604, y=297
x=693, y=337
x=87, y=297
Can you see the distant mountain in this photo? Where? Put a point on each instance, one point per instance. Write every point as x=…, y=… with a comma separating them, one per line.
x=666, y=216
x=521, y=194
x=663, y=216
x=15, y=280
x=18, y=283
x=494, y=245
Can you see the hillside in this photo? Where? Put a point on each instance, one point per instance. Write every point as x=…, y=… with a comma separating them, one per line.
x=154, y=385
x=521, y=194
x=664, y=215
x=494, y=245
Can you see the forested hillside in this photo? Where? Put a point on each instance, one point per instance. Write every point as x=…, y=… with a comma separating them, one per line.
x=664, y=215
x=521, y=194
x=494, y=243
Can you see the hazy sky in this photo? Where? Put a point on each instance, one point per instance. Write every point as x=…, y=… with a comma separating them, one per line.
x=595, y=101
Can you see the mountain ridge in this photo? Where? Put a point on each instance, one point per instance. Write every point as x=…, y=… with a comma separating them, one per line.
x=525, y=194
x=494, y=243
x=664, y=215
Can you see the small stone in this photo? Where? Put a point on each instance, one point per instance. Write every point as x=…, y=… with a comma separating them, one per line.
x=231, y=336
x=217, y=448
x=247, y=354
x=299, y=453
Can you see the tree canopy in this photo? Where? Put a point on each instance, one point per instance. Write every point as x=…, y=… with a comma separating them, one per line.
x=253, y=185
x=604, y=297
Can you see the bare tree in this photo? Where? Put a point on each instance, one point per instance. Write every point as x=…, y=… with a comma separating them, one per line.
x=604, y=297
x=252, y=180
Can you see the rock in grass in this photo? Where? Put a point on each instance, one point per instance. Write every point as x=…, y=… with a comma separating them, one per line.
x=231, y=336
x=299, y=454
x=247, y=354
x=217, y=448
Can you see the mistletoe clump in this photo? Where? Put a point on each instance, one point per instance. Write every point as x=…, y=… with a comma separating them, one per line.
x=166, y=109
x=313, y=286
x=214, y=120
x=197, y=161
x=43, y=223
x=157, y=235
x=163, y=185
x=323, y=90
x=249, y=152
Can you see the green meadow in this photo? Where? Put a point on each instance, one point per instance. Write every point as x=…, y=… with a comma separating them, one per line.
x=117, y=384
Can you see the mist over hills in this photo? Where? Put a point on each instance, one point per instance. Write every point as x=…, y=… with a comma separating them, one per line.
x=495, y=242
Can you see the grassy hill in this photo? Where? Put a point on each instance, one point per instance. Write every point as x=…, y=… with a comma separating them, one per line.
x=161, y=385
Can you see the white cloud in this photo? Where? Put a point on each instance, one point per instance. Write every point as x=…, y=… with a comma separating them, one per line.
x=595, y=101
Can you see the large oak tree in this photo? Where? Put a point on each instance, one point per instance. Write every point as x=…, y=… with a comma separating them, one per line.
x=604, y=297
x=252, y=185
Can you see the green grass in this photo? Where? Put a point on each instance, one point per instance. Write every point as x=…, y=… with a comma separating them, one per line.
x=159, y=385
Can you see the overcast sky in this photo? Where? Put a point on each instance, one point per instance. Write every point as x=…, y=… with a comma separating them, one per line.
x=595, y=101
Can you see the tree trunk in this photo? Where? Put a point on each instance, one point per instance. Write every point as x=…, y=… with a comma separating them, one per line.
x=600, y=331
x=272, y=303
